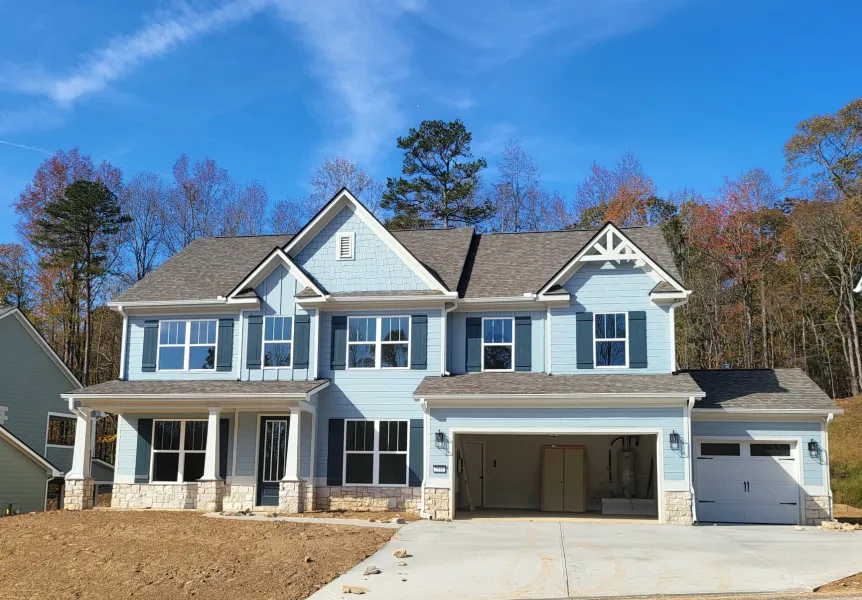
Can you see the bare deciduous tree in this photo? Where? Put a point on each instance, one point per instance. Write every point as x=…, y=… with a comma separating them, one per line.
x=144, y=199
x=336, y=173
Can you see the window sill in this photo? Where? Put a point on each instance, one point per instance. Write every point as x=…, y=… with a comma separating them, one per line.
x=67, y=447
x=172, y=483
x=377, y=485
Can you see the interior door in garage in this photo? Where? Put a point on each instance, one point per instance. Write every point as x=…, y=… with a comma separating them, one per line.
x=563, y=479
x=747, y=482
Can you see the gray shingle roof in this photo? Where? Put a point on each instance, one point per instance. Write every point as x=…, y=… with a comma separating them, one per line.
x=502, y=384
x=199, y=387
x=441, y=251
x=663, y=286
x=789, y=389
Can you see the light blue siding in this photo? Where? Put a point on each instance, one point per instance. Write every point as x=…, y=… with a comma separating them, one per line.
x=305, y=445
x=135, y=346
x=601, y=420
x=812, y=467
x=457, y=338
x=247, y=442
x=610, y=288
x=375, y=267
x=370, y=394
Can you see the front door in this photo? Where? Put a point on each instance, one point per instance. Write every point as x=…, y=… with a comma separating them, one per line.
x=271, y=459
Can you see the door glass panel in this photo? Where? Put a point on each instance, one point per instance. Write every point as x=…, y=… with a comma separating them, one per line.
x=715, y=449
x=770, y=449
x=274, y=451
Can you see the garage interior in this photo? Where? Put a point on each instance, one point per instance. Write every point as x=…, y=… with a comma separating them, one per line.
x=582, y=474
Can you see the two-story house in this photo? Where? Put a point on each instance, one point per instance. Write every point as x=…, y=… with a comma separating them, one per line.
x=350, y=367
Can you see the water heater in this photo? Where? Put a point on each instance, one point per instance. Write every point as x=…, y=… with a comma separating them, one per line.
x=627, y=473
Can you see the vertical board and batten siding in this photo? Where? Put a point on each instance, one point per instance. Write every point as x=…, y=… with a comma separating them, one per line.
x=457, y=338
x=667, y=419
x=609, y=288
x=135, y=347
x=375, y=266
x=23, y=481
x=248, y=425
x=277, y=293
x=371, y=393
x=812, y=468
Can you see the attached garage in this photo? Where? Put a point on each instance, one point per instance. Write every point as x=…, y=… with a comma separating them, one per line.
x=743, y=481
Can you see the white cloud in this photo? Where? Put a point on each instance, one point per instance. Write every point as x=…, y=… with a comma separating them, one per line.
x=24, y=147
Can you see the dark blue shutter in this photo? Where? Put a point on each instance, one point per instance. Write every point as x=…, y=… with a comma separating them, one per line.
x=224, y=353
x=142, y=455
x=254, y=347
x=301, y=335
x=637, y=340
x=417, y=451
x=338, y=344
x=223, y=433
x=151, y=346
x=335, y=454
x=419, y=342
x=584, y=341
x=523, y=343
x=474, y=344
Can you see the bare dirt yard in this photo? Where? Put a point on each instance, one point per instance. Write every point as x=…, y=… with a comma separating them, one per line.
x=144, y=554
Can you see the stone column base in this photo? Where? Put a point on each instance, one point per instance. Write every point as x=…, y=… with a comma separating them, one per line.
x=291, y=496
x=437, y=503
x=210, y=495
x=817, y=510
x=677, y=508
x=78, y=494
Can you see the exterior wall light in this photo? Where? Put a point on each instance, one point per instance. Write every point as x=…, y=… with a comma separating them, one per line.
x=813, y=448
x=440, y=439
x=674, y=441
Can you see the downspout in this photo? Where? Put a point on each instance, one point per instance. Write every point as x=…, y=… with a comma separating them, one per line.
x=673, y=333
x=443, y=338
x=828, y=421
x=690, y=462
x=123, y=340
x=318, y=321
x=426, y=455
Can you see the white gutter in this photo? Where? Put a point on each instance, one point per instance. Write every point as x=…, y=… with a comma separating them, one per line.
x=769, y=411
x=562, y=396
x=689, y=464
x=443, y=334
x=123, y=341
x=827, y=422
x=673, y=306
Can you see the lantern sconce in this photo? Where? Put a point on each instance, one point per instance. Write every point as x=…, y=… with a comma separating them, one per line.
x=674, y=441
x=440, y=439
x=813, y=448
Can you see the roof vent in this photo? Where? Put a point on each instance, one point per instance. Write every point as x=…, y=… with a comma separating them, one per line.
x=344, y=246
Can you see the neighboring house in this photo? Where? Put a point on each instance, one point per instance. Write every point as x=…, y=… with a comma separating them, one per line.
x=349, y=367
x=37, y=430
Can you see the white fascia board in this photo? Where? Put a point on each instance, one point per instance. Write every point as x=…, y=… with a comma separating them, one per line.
x=657, y=296
x=263, y=269
x=34, y=333
x=567, y=271
x=374, y=301
x=335, y=205
x=208, y=305
x=29, y=452
x=761, y=414
x=579, y=400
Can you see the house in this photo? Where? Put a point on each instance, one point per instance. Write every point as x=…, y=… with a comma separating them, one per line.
x=349, y=367
x=37, y=430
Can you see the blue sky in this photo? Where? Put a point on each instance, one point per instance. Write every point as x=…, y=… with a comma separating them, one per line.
x=697, y=90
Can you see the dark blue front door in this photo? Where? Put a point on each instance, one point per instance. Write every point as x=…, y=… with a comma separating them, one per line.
x=271, y=458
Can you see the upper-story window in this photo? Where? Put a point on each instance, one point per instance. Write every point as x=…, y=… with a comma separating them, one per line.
x=611, y=340
x=61, y=430
x=187, y=345
x=277, y=341
x=498, y=343
x=378, y=342
x=344, y=243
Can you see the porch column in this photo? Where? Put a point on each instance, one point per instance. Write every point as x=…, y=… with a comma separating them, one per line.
x=79, y=488
x=210, y=485
x=291, y=489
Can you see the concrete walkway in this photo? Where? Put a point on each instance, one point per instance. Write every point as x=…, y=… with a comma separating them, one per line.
x=488, y=559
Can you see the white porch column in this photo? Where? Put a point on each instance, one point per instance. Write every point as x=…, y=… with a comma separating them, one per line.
x=291, y=488
x=83, y=445
x=212, y=450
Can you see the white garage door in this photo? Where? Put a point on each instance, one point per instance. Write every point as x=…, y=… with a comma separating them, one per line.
x=747, y=482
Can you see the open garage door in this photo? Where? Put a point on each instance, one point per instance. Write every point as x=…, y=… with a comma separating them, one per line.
x=747, y=482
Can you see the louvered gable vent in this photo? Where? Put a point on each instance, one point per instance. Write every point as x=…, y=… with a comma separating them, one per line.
x=344, y=246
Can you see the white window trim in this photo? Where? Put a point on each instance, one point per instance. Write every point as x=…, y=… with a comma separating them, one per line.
x=379, y=343
x=264, y=342
x=182, y=451
x=512, y=344
x=597, y=340
x=187, y=346
x=376, y=452
x=48, y=429
x=350, y=235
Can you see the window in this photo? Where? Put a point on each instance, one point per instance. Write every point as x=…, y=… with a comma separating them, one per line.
x=61, y=431
x=610, y=340
x=770, y=449
x=277, y=341
x=375, y=452
x=719, y=449
x=187, y=345
x=368, y=350
x=344, y=246
x=179, y=450
x=497, y=344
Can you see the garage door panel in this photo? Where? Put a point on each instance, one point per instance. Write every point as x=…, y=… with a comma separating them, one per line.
x=766, y=469
x=721, y=469
x=774, y=514
x=720, y=491
x=721, y=512
x=774, y=493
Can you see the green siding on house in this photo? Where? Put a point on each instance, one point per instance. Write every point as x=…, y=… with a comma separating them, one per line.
x=22, y=481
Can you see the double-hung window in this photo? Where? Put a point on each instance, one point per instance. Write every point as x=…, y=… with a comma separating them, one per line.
x=375, y=452
x=187, y=345
x=611, y=340
x=498, y=343
x=378, y=342
x=277, y=341
x=179, y=450
x=61, y=430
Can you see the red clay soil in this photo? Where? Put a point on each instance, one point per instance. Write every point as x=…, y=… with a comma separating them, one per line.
x=145, y=554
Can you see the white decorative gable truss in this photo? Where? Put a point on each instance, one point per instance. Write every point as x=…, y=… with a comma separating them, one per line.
x=611, y=245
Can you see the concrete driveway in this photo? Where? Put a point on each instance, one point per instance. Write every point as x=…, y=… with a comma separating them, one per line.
x=493, y=559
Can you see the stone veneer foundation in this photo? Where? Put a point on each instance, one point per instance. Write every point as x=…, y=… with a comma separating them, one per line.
x=817, y=509
x=78, y=494
x=238, y=497
x=155, y=495
x=677, y=508
x=291, y=496
x=437, y=503
x=368, y=498
x=210, y=496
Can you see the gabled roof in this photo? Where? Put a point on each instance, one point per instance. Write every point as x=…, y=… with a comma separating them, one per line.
x=12, y=312
x=780, y=390
x=37, y=458
x=441, y=251
x=245, y=288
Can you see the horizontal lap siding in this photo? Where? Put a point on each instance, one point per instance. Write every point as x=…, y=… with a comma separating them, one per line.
x=609, y=288
x=371, y=394
x=812, y=467
x=60, y=457
x=457, y=342
x=22, y=481
x=548, y=419
x=305, y=445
